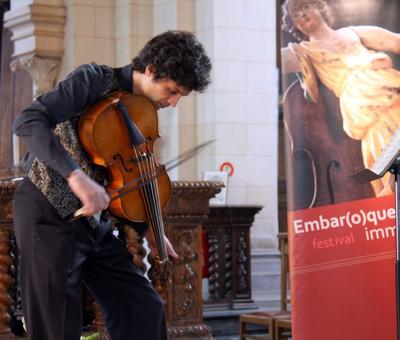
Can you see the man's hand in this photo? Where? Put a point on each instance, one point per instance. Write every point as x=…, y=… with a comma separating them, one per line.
x=152, y=244
x=92, y=195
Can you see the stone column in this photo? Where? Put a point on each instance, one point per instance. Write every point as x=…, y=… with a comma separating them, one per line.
x=133, y=28
x=38, y=36
x=177, y=125
x=43, y=71
x=240, y=109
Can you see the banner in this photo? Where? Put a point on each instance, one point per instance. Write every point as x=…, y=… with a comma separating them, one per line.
x=341, y=103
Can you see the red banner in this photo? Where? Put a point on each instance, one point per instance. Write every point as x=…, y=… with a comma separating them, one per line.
x=341, y=110
x=343, y=270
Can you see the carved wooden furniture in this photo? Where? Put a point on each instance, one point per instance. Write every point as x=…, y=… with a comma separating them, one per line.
x=283, y=324
x=229, y=273
x=187, y=211
x=283, y=328
x=6, y=261
x=268, y=319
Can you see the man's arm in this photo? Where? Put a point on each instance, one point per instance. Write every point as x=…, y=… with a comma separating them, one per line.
x=92, y=195
x=34, y=125
x=152, y=244
x=378, y=38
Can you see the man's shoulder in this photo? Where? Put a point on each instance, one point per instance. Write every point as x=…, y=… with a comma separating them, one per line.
x=91, y=71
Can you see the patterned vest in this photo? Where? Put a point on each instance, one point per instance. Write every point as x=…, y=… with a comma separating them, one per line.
x=52, y=185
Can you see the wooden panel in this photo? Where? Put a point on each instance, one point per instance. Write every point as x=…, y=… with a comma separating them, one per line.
x=15, y=94
x=229, y=254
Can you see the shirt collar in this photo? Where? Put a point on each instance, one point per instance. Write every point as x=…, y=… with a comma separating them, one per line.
x=125, y=81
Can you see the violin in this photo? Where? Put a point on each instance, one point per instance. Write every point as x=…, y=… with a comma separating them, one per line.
x=118, y=133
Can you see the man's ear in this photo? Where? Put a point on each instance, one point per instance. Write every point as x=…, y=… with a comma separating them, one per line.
x=149, y=70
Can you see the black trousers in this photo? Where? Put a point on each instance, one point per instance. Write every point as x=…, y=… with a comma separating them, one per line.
x=58, y=256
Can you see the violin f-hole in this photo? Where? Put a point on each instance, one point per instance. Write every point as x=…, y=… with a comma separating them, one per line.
x=119, y=158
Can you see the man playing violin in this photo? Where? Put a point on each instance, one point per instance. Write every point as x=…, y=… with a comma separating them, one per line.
x=57, y=253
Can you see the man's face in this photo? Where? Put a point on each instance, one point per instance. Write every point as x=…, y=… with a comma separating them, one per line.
x=163, y=92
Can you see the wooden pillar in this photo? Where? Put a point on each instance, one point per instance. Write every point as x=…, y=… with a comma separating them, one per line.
x=6, y=280
x=187, y=211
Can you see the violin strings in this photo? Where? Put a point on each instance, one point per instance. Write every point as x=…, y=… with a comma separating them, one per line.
x=153, y=188
x=144, y=191
x=150, y=198
x=152, y=201
x=156, y=196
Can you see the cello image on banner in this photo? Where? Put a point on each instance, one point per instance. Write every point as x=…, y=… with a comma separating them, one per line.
x=321, y=158
x=341, y=109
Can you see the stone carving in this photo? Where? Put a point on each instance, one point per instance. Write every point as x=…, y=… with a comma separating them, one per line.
x=38, y=35
x=42, y=70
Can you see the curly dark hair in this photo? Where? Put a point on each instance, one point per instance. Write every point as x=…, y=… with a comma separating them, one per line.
x=176, y=55
x=290, y=6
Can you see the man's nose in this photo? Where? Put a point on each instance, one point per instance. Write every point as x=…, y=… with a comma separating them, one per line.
x=173, y=100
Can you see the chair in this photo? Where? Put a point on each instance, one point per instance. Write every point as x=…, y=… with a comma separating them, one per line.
x=283, y=324
x=283, y=328
x=264, y=318
x=269, y=318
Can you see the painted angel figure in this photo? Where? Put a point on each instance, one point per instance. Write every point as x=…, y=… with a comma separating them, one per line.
x=352, y=63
